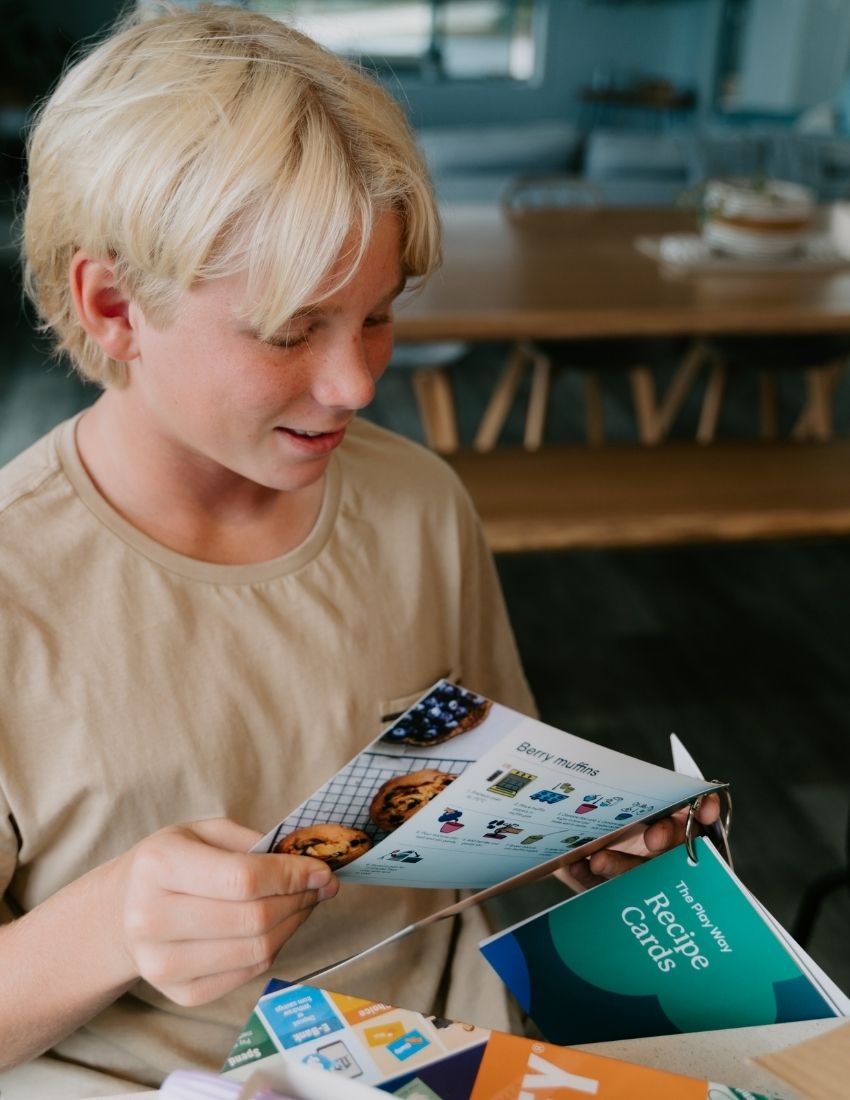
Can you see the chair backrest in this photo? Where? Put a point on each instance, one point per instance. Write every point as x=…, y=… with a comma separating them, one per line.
x=718, y=155
x=527, y=147
x=822, y=163
x=635, y=167
x=548, y=192
x=636, y=155
x=472, y=163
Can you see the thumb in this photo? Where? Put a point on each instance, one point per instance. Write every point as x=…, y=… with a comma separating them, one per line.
x=221, y=832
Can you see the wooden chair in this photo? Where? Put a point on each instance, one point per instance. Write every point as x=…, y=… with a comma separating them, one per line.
x=428, y=366
x=524, y=196
x=547, y=192
x=821, y=360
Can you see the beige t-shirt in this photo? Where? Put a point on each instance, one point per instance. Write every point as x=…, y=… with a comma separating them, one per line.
x=144, y=687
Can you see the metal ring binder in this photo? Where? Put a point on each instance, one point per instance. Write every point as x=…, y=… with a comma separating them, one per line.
x=718, y=833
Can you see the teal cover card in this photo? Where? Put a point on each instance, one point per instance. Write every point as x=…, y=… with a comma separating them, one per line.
x=671, y=946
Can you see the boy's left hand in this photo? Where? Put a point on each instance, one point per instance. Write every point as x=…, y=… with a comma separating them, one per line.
x=655, y=839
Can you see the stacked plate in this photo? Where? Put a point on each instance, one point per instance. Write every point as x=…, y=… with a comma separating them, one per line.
x=757, y=219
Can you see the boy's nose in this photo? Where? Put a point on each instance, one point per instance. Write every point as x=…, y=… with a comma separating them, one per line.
x=346, y=377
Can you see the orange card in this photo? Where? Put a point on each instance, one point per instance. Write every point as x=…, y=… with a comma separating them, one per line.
x=514, y=1069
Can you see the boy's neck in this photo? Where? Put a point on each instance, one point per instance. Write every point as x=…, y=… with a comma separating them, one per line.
x=194, y=508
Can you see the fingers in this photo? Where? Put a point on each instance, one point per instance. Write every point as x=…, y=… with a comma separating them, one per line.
x=202, y=915
x=221, y=832
x=179, y=917
x=659, y=837
x=597, y=868
x=708, y=810
x=210, y=987
x=188, y=860
x=190, y=970
x=608, y=863
x=666, y=833
x=670, y=831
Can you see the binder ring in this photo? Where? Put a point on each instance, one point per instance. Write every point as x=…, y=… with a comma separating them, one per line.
x=719, y=831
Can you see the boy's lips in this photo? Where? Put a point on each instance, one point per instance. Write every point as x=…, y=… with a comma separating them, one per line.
x=308, y=441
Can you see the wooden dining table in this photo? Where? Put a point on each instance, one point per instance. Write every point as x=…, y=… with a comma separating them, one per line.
x=579, y=273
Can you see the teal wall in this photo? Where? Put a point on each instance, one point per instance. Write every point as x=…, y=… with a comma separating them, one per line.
x=668, y=38
x=673, y=39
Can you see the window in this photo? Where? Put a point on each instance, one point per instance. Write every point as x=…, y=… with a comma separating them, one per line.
x=432, y=39
x=781, y=58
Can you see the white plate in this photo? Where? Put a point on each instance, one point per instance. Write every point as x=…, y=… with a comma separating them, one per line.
x=751, y=242
x=690, y=252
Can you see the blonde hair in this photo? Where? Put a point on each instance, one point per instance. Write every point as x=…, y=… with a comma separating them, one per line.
x=190, y=145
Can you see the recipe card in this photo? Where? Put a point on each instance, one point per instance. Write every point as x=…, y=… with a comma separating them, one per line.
x=353, y=1042
x=463, y=792
x=674, y=945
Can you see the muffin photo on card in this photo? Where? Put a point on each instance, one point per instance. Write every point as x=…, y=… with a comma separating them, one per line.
x=443, y=713
x=402, y=796
x=335, y=845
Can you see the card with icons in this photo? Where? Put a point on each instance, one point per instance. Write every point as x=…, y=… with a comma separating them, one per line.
x=460, y=791
x=319, y=1045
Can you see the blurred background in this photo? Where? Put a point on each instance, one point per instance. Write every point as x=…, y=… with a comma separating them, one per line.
x=742, y=649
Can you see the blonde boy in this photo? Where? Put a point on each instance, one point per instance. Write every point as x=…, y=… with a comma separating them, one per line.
x=216, y=582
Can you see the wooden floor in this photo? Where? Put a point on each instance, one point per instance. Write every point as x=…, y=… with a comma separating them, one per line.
x=742, y=649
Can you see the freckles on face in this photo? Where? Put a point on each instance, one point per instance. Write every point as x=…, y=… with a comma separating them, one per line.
x=206, y=364
x=271, y=410
x=259, y=380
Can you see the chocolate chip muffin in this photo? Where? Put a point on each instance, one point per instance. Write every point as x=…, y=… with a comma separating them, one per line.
x=400, y=797
x=335, y=845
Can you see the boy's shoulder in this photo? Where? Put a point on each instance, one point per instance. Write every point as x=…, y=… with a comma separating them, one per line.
x=24, y=476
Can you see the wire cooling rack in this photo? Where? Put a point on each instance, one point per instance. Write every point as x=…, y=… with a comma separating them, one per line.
x=345, y=799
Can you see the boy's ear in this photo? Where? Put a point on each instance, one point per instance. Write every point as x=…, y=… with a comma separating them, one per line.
x=103, y=309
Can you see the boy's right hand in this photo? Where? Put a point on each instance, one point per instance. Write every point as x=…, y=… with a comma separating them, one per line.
x=202, y=915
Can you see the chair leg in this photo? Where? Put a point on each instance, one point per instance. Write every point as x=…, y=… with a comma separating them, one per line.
x=434, y=396
x=594, y=417
x=501, y=399
x=642, y=384
x=711, y=404
x=538, y=401
x=815, y=421
x=819, y=404
x=680, y=386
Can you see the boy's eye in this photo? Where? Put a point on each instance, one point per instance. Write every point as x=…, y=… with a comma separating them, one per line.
x=299, y=335
x=289, y=339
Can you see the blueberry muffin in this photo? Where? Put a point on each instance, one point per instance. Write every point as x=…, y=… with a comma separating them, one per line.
x=400, y=797
x=444, y=712
x=335, y=845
